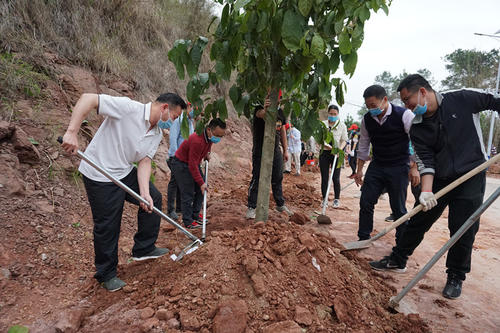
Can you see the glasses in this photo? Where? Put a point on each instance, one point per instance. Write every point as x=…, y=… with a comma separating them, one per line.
x=407, y=98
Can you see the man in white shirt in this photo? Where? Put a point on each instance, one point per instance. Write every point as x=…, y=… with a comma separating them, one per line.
x=130, y=133
x=336, y=141
x=294, y=147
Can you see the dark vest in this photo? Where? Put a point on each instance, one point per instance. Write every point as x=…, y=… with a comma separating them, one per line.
x=389, y=141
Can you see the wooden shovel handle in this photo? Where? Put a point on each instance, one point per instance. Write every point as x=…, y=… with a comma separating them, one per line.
x=438, y=195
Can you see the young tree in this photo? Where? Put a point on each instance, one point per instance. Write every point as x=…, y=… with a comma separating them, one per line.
x=293, y=45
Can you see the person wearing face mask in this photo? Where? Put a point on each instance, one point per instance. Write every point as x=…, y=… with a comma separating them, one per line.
x=352, y=147
x=130, y=133
x=258, y=126
x=331, y=148
x=447, y=139
x=185, y=166
x=175, y=139
x=385, y=126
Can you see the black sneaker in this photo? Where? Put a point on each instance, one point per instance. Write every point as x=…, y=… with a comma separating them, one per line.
x=194, y=225
x=173, y=215
x=113, y=284
x=387, y=264
x=390, y=218
x=453, y=287
x=156, y=253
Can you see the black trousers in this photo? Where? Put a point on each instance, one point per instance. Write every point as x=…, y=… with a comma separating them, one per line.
x=191, y=196
x=325, y=162
x=173, y=192
x=106, y=201
x=276, y=180
x=353, y=161
x=462, y=202
x=395, y=180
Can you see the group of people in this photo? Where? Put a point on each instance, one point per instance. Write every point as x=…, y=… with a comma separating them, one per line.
x=429, y=143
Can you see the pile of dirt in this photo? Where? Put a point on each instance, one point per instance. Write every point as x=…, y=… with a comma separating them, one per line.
x=269, y=277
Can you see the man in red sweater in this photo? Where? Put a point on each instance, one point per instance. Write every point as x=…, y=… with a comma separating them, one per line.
x=187, y=172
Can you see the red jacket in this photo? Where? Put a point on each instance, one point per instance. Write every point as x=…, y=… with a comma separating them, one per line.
x=192, y=151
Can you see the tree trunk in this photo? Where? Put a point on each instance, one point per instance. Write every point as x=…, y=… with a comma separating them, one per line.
x=266, y=165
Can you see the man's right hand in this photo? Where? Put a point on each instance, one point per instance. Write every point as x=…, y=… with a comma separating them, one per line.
x=70, y=142
x=204, y=188
x=267, y=103
x=428, y=200
x=358, y=178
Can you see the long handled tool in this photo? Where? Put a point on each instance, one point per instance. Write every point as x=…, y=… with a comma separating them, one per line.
x=394, y=302
x=322, y=218
x=343, y=188
x=367, y=243
x=204, y=229
x=188, y=249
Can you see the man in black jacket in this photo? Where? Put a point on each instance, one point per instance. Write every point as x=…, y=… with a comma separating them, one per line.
x=448, y=143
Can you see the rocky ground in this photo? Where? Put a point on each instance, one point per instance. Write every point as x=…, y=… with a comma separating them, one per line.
x=287, y=275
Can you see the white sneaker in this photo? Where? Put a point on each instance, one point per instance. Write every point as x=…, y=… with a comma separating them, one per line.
x=250, y=213
x=336, y=203
x=285, y=209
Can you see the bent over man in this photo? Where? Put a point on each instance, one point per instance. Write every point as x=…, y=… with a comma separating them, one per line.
x=130, y=133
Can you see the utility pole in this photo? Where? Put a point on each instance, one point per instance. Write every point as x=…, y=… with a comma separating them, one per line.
x=496, y=93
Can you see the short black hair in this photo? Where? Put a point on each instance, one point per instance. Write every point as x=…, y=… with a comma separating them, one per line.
x=413, y=82
x=216, y=122
x=333, y=106
x=375, y=91
x=173, y=99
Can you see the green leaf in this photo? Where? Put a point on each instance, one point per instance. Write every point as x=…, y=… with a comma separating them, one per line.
x=334, y=61
x=234, y=94
x=203, y=77
x=18, y=329
x=225, y=16
x=364, y=14
x=221, y=108
x=317, y=46
x=305, y=7
x=185, y=125
x=350, y=62
x=385, y=8
x=344, y=43
x=240, y=4
x=263, y=21
x=292, y=30
x=33, y=141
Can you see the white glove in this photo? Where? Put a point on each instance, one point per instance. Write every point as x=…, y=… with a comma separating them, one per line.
x=428, y=200
x=351, y=153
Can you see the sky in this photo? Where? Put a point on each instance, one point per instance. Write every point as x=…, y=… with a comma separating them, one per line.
x=418, y=34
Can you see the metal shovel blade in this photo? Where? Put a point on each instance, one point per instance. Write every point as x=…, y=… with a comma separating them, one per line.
x=363, y=244
x=187, y=250
x=400, y=307
x=323, y=219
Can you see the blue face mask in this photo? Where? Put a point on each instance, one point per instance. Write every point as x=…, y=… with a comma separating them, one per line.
x=191, y=114
x=165, y=124
x=215, y=139
x=375, y=112
x=420, y=109
x=333, y=118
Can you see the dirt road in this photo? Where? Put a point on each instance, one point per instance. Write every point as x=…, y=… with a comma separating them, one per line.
x=477, y=309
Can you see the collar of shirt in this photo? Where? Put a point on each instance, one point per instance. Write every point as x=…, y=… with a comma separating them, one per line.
x=205, y=135
x=147, y=114
x=384, y=118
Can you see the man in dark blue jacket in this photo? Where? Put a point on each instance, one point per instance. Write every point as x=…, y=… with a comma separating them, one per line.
x=386, y=127
x=447, y=139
